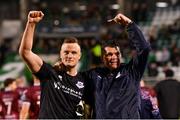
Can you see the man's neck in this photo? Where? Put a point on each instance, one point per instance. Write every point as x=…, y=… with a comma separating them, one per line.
x=72, y=71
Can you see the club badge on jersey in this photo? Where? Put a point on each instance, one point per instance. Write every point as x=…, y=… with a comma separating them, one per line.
x=80, y=84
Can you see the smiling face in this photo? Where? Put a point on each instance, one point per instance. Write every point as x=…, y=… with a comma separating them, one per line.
x=111, y=57
x=70, y=54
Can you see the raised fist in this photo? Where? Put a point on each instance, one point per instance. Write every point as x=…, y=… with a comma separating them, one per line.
x=121, y=19
x=35, y=16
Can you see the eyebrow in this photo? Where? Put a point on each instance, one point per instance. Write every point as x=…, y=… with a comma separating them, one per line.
x=70, y=51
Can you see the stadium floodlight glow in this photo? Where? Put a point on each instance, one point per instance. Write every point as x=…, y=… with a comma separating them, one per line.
x=115, y=6
x=161, y=4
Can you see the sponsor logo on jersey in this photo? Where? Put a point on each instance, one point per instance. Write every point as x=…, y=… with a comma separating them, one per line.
x=80, y=84
x=66, y=89
x=56, y=85
x=60, y=77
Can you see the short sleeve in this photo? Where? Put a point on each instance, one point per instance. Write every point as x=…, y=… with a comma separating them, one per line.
x=44, y=72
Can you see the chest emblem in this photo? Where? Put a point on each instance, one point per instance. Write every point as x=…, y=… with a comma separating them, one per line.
x=80, y=84
x=118, y=75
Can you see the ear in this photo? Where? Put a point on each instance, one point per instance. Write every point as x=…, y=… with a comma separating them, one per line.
x=120, y=55
x=60, y=55
x=60, y=59
x=102, y=58
x=80, y=54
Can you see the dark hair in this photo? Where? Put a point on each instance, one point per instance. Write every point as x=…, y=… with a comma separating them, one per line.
x=109, y=43
x=8, y=81
x=71, y=40
x=169, y=73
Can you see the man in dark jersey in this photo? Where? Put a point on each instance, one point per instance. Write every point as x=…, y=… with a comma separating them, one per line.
x=61, y=91
x=168, y=95
x=10, y=98
x=31, y=101
x=116, y=86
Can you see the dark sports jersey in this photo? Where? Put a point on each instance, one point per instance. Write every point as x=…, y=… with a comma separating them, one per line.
x=10, y=99
x=149, y=105
x=60, y=93
x=21, y=90
x=117, y=93
x=168, y=95
x=32, y=95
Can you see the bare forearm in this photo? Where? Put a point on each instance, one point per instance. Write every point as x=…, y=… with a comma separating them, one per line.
x=27, y=39
x=33, y=61
x=23, y=116
x=24, y=111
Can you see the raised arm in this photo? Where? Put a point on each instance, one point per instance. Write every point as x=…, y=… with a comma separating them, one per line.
x=121, y=19
x=24, y=112
x=134, y=33
x=138, y=63
x=33, y=61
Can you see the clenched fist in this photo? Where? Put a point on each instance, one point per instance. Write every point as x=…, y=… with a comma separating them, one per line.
x=35, y=16
x=120, y=18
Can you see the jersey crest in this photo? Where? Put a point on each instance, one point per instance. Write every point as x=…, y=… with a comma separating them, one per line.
x=80, y=84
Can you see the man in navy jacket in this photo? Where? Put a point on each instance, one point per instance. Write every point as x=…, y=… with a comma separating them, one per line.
x=115, y=87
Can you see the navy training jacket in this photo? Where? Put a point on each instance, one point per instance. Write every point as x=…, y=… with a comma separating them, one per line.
x=117, y=93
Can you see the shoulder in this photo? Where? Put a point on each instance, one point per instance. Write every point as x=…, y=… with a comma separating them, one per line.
x=163, y=82
x=47, y=66
x=91, y=72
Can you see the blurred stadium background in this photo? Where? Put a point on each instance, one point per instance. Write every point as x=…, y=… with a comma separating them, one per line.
x=86, y=20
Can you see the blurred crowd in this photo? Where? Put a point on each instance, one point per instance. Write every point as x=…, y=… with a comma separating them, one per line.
x=92, y=17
